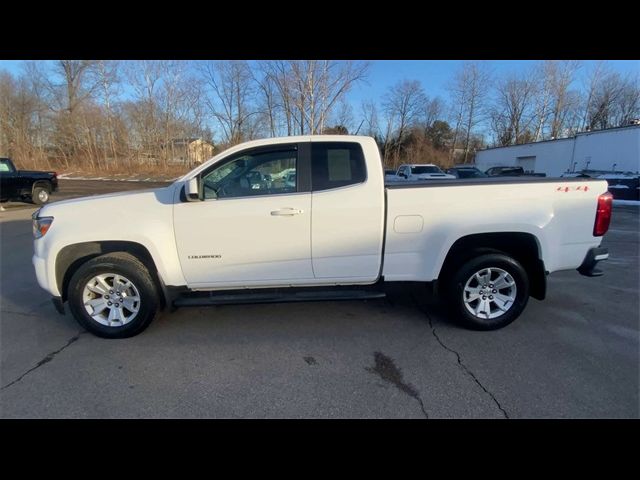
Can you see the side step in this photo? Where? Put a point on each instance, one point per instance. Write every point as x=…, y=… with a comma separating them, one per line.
x=214, y=298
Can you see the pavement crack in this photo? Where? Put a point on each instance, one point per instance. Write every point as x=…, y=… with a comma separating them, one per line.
x=24, y=314
x=389, y=372
x=46, y=359
x=466, y=369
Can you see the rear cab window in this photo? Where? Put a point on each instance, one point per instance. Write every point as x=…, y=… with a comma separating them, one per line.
x=336, y=164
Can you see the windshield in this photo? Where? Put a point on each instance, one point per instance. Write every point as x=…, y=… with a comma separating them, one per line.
x=425, y=169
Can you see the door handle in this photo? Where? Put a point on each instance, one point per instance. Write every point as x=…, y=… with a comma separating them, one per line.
x=286, y=212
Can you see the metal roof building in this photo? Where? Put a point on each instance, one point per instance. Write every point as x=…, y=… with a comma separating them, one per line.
x=613, y=149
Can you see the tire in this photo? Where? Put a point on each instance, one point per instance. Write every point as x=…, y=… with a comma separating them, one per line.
x=40, y=195
x=487, y=311
x=115, y=269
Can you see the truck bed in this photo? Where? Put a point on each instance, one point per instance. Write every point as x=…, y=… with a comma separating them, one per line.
x=461, y=182
x=425, y=218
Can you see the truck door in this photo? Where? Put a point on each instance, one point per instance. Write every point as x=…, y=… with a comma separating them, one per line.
x=253, y=226
x=348, y=213
x=8, y=180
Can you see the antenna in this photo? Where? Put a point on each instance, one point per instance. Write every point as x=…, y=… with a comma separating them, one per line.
x=359, y=127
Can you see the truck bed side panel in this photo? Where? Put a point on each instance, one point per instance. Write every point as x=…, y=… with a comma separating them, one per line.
x=423, y=223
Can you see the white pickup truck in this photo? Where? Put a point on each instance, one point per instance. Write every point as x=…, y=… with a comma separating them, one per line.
x=235, y=230
x=423, y=171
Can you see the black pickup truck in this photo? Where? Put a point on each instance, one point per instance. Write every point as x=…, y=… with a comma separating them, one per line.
x=25, y=184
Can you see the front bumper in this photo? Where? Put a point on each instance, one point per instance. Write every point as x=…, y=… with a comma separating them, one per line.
x=594, y=255
x=46, y=278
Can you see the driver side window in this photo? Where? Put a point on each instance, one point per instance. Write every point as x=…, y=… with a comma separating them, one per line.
x=257, y=173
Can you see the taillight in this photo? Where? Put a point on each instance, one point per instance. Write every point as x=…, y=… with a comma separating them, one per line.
x=603, y=214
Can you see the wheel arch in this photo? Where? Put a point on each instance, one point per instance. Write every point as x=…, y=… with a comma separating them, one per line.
x=71, y=257
x=41, y=183
x=523, y=247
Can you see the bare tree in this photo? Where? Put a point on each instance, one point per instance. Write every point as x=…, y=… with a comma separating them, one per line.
x=469, y=91
x=145, y=78
x=370, y=119
x=343, y=117
x=271, y=101
x=403, y=105
x=103, y=114
x=278, y=72
x=17, y=108
x=544, y=79
x=108, y=77
x=599, y=71
x=457, y=107
x=563, y=100
x=433, y=110
x=628, y=104
x=512, y=112
x=606, y=95
x=315, y=87
x=67, y=86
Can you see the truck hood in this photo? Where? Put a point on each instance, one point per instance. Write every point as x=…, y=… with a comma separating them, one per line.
x=126, y=201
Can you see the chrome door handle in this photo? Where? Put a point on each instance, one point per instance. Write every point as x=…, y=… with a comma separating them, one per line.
x=286, y=212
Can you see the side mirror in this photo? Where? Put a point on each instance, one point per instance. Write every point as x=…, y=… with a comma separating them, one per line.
x=192, y=190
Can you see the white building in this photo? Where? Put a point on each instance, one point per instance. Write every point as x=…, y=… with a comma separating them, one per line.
x=613, y=149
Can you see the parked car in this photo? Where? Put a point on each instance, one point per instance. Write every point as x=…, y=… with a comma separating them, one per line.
x=428, y=171
x=511, y=172
x=466, y=171
x=339, y=234
x=25, y=185
x=622, y=185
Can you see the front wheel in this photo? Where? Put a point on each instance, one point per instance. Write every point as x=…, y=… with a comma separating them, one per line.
x=488, y=292
x=113, y=296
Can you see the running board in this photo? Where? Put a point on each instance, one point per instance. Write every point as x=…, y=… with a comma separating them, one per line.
x=242, y=298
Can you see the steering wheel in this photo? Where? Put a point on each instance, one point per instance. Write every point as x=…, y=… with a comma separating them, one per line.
x=208, y=187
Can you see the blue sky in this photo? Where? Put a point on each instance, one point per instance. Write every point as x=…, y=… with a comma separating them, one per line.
x=434, y=74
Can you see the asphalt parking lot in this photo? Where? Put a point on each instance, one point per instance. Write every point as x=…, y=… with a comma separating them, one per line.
x=575, y=355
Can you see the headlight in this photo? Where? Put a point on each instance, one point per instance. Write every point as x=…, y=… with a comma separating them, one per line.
x=41, y=226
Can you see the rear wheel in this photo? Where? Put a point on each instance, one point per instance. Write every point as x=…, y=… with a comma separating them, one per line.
x=488, y=292
x=113, y=296
x=40, y=195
